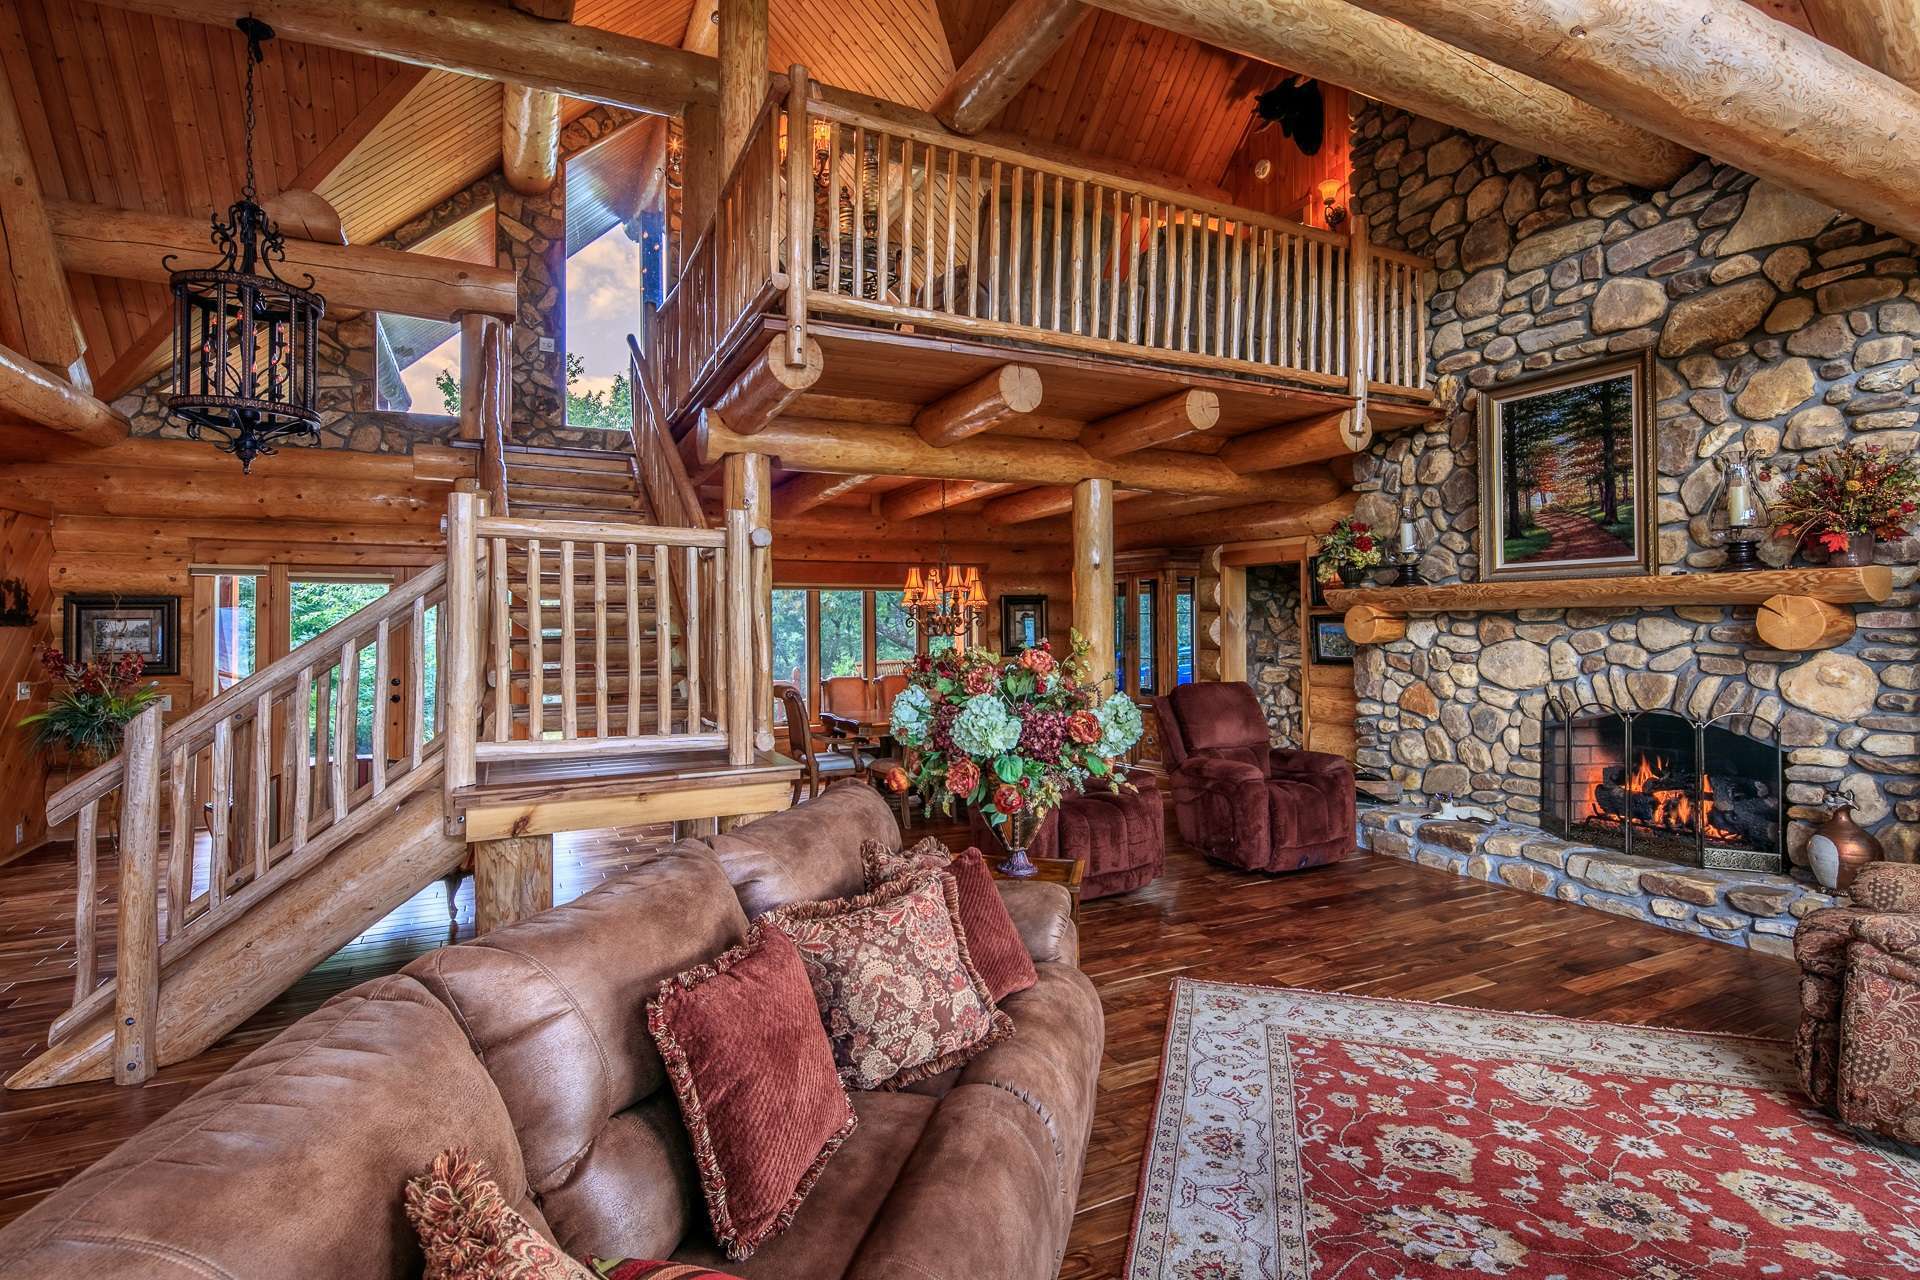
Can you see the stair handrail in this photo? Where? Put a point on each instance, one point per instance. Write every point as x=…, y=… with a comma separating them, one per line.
x=662, y=470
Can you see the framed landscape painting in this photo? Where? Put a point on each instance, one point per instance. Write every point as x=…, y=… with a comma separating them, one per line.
x=107, y=626
x=1566, y=473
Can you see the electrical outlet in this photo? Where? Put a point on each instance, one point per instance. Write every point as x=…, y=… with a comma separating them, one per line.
x=546, y=347
x=166, y=702
x=23, y=692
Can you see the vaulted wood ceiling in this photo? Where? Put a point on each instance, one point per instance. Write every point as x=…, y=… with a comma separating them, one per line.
x=137, y=112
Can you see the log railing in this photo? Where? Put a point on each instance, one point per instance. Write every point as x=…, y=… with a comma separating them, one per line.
x=900, y=224
x=550, y=607
x=663, y=473
x=277, y=773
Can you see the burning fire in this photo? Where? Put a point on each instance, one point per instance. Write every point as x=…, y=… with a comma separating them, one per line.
x=1672, y=804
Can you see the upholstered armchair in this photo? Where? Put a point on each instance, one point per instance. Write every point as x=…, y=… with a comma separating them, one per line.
x=1242, y=801
x=1858, y=1047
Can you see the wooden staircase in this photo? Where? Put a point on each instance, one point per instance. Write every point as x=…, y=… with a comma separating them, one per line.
x=574, y=484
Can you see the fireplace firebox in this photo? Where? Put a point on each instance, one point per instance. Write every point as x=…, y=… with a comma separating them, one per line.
x=1698, y=793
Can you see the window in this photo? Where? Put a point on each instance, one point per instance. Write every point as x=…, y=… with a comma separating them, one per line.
x=893, y=633
x=1147, y=593
x=790, y=637
x=1120, y=635
x=819, y=634
x=843, y=634
x=603, y=307
x=416, y=360
x=317, y=604
x=236, y=622
x=1183, y=632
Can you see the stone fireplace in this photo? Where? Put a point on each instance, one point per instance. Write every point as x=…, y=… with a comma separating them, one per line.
x=1666, y=786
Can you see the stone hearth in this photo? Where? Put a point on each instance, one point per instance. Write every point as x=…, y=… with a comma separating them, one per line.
x=1743, y=908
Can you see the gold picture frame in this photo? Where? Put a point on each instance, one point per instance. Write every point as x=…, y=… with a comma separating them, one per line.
x=1567, y=473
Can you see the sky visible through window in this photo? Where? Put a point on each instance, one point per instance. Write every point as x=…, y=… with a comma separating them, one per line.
x=603, y=307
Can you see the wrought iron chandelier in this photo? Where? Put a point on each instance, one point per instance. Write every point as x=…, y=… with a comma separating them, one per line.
x=946, y=599
x=243, y=338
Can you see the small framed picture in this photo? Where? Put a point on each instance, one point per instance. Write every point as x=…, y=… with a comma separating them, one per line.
x=1566, y=474
x=1331, y=647
x=1023, y=622
x=108, y=626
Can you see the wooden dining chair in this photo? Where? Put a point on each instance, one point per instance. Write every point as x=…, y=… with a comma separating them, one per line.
x=816, y=769
x=847, y=698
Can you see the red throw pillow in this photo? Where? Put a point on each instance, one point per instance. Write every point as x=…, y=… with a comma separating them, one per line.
x=998, y=951
x=895, y=985
x=468, y=1231
x=757, y=1084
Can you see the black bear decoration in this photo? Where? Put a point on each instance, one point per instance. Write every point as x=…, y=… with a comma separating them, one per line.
x=1297, y=108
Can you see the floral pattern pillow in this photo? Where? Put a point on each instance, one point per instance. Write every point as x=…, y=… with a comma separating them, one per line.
x=881, y=864
x=897, y=990
x=468, y=1231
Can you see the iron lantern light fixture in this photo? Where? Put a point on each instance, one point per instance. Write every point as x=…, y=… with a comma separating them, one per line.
x=243, y=338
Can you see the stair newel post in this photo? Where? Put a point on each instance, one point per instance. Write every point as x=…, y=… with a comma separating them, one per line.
x=799, y=214
x=486, y=399
x=739, y=654
x=136, y=999
x=1360, y=317
x=461, y=656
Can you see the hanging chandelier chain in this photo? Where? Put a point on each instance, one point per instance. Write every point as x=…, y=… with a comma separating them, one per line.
x=255, y=55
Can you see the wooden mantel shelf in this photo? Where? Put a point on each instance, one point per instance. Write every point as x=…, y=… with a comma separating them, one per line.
x=1799, y=608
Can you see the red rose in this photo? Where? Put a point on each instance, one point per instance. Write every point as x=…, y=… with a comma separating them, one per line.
x=1038, y=661
x=1359, y=526
x=1363, y=543
x=1084, y=727
x=963, y=775
x=1007, y=799
x=978, y=680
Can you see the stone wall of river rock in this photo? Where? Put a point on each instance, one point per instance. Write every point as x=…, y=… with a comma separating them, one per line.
x=1776, y=325
x=1273, y=649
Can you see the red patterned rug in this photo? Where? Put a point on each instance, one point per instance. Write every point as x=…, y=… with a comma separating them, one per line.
x=1299, y=1134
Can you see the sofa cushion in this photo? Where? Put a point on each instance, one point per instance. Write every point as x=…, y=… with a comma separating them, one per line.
x=807, y=853
x=894, y=982
x=1043, y=914
x=756, y=1082
x=830, y=1225
x=555, y=1007
x=980, y=1197
x=290, y=1164
x=469, y=1232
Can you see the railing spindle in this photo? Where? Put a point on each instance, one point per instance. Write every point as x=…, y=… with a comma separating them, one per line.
x=300, y=766
x=501, y=619
x=600, y=639
x=346, y=731
x=382, y=678
x=1037, y=240
x=906, y=221
x=220, y=811
x=663, y=640
x=415, y=700
x=1095, y=263
x=857, y=279
x=1078, y=268
x=536, y=647
x=883, y=199
x=569, y=667
x=834, y=130
x=692, y=639
x=993, y=245
x=86, y=901
x=1016, y=243
x=179, y=840
x=1133, y=272
x=953, y=197
x=260, y=807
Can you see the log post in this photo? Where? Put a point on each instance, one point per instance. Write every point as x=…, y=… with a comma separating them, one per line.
x=136, y=995
x=799, y=212
x=768, y=385
x=36, y=311
x=1374, y=624
x=980, y=406
x=462, y=655
x=700, y=163
x=530, y=139
x=743, y=75
x=1360, y=318
x=738, y=605
x=1020, y=43
x=1154, y=423
x=1093, y=573
x=1798, y=623
x=512, y=879
x=486, y=400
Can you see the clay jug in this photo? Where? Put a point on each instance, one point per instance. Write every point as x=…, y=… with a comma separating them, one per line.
x=1839, y=848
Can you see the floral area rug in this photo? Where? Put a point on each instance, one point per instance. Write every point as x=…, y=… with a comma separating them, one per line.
x=1299, y=1134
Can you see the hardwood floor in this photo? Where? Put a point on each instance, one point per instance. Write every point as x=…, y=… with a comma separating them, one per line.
x=1370, y=926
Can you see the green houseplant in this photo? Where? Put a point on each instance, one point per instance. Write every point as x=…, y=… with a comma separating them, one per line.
x=91, y=706
x=1012, y=737
x=1347, y=551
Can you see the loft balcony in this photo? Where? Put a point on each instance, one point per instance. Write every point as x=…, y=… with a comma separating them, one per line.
x=975, y=248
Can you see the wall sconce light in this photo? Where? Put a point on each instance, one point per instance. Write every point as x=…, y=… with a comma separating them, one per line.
x=1330, y=206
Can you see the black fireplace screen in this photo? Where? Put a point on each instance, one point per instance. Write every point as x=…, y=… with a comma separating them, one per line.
x=1698, y=793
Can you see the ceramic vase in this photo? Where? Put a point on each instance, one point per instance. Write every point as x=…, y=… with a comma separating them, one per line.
x=1014, y=835
x=1859, y=552
x=1838, y=849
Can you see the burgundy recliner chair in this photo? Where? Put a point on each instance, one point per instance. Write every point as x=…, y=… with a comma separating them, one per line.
x=1241, y=801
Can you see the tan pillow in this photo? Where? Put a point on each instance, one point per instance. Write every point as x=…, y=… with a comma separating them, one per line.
x=894, y=983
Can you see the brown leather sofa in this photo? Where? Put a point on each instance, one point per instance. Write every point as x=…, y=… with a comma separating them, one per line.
x=530, y=1047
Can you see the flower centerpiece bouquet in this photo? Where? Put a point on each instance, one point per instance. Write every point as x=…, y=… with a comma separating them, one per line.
x=1347, y=551
x=93, y=705
x=1843, y=499
x=1012, y=737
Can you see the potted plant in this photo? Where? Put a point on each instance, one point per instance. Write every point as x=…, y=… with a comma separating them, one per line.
x=1843, y=499
x=1011, y=736
x=92, y=706
x=1347, y=551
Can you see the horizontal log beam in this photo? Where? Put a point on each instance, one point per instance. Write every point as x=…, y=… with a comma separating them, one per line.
x=1332, y=40
x=1181, y=414
x=895, y=539
x=939, y=495
x=1256, y=520
x=805, y=492
x=1020, y=43
x=30, y=394
x=530, y=138
x=856, y=449
x=1870, y=583
x=36, y=310
x=1884, y=34
x=768, y=385
x=131, y=246
x=1716, y=75
x=1008, y=391
x=1293, y=444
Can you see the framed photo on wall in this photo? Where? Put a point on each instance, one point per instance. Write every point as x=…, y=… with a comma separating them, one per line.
x=1023, y=622
x=1566, y=473
x=1331, y=645
x=107, y=626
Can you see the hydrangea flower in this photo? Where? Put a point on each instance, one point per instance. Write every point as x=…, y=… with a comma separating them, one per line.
x=1119, y=725
x=986, y=728
x=912, y=716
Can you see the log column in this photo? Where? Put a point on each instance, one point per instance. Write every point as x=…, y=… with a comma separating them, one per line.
x=743, y=76
x=512, y=879
x=136, y=997
x=486, y=399
x=749, y=488
x=1093, y=572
